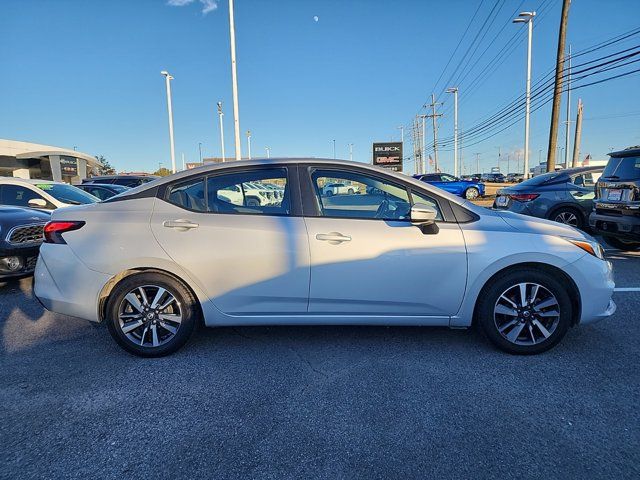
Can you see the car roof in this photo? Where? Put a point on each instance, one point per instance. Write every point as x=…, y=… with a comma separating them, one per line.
x=326, y=162
x=30, y=181
x=124, y=175
x=627, y=152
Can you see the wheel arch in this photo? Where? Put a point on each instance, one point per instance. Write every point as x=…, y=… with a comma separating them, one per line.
x=574, y=292
x=105, y=293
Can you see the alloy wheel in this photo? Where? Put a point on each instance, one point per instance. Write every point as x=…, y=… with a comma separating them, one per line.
x=471, y=194
x=526, y=314
x=149, y=315
x=568, y=218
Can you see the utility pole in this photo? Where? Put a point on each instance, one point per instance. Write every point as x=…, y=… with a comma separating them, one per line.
x=351, y=152
x=168, y=78
x=220, y=115
x=454, y=90
x=184, y=167
x=249, y=143
x=527, y=17
x=423, y=146
x=557, y=91
x=234, y=78
x=434, y=117
x=478, y=163
x=417, y=153
x=568, y=122
x=576, y=141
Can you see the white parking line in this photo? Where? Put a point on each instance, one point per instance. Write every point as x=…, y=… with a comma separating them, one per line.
x=627, y=289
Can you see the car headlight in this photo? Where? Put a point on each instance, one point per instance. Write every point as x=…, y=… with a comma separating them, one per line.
x=589, y=246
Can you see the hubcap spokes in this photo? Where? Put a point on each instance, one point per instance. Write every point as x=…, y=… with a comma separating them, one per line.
x=149, y=316
x=567, y=218
x=526, y=314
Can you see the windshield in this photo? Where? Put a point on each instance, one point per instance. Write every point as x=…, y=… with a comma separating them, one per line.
x=626, y=168
x=67, y=193
x=544, y=178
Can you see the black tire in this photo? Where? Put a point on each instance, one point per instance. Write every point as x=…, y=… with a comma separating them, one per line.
x=624, y=245
x=350, y=191
x=186, y=302
x=329, y=193
x=488, y=298
x=253, y=202
x=566, y=213
x=471, y=193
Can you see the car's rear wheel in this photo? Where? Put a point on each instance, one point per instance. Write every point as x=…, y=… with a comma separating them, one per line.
x=472, y=193
x=621, y=244
x=350, y=191
x=151, y=314
x=525, y=311
x=568, y=216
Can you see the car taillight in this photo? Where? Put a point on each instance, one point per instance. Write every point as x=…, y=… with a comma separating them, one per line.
x=53, y=230
x=523, y=197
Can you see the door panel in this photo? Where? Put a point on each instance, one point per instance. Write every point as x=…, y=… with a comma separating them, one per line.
x=386, y=267
x=247, y=264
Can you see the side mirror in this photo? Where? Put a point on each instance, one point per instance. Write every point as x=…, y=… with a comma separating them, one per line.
x=37, y=203
x=423, y=214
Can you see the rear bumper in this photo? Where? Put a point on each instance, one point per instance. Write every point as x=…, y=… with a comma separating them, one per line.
x=626, y=226
x=63, y=284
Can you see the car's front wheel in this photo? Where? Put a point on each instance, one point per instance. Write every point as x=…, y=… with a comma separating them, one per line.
x=151, y=314
x=620, y=244
x=524, y=311
x=472, y=193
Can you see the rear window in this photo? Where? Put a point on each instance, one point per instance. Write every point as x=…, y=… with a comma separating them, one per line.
x=626, y=168
x=544, y=178
x=67, y=193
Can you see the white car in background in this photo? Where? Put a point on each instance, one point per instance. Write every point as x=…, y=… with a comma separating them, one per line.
x=41, y=194
x=248, y=194
x=339, y=189
x=154, y=261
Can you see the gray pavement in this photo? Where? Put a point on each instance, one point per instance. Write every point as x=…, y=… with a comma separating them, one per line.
x=318, y=402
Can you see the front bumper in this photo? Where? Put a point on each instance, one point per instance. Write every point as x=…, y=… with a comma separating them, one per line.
x=63, y=284
x=27, y=256
x=594, y=279
x=625, y=225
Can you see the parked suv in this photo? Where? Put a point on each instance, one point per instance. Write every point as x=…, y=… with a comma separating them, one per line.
x=616, y=214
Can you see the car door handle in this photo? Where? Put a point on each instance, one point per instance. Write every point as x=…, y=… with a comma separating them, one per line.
x=333, y=237
x=186, y=224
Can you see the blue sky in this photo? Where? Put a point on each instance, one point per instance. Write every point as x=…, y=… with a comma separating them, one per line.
x=87, y=74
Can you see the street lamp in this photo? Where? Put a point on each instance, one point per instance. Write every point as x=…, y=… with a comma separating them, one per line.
x=220, y=115
x=454, y=90
x=527, y=17
x=168, y=78
x=351, y=152
x=249, y=142
x=200, y=150
x=268, y=149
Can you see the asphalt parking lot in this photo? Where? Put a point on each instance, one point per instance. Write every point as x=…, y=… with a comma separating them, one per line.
x=318, y=402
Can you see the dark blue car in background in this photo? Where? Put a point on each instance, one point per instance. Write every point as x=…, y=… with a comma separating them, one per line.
x=565, y=196
x=464, y=188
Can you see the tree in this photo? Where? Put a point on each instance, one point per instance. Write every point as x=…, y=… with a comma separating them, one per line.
x=162, y=172
x=105, y=166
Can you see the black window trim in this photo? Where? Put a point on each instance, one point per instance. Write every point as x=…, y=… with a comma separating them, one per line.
x=310, y=200
x=291, y=177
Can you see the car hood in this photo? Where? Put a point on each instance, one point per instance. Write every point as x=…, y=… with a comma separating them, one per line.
x=22, y=215
x=527, y=224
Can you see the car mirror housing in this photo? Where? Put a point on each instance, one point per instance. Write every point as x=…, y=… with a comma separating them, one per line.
x=423, y=214
x=37, y=203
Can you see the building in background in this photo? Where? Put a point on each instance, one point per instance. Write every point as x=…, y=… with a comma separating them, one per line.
x=33, y=160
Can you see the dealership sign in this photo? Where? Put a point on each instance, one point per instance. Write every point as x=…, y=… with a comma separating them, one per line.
x=388, y=155
x=69, y=166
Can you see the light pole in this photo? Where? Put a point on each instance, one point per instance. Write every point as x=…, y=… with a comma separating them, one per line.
x=249, y=143
x=334, y=148
x=168, y=79
x=268, y=149
x=527, y=17
x=351, y=152
x=200, y=150
x=454, y=90
x=234, y=78
x=220, y=115
x=401, y=127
